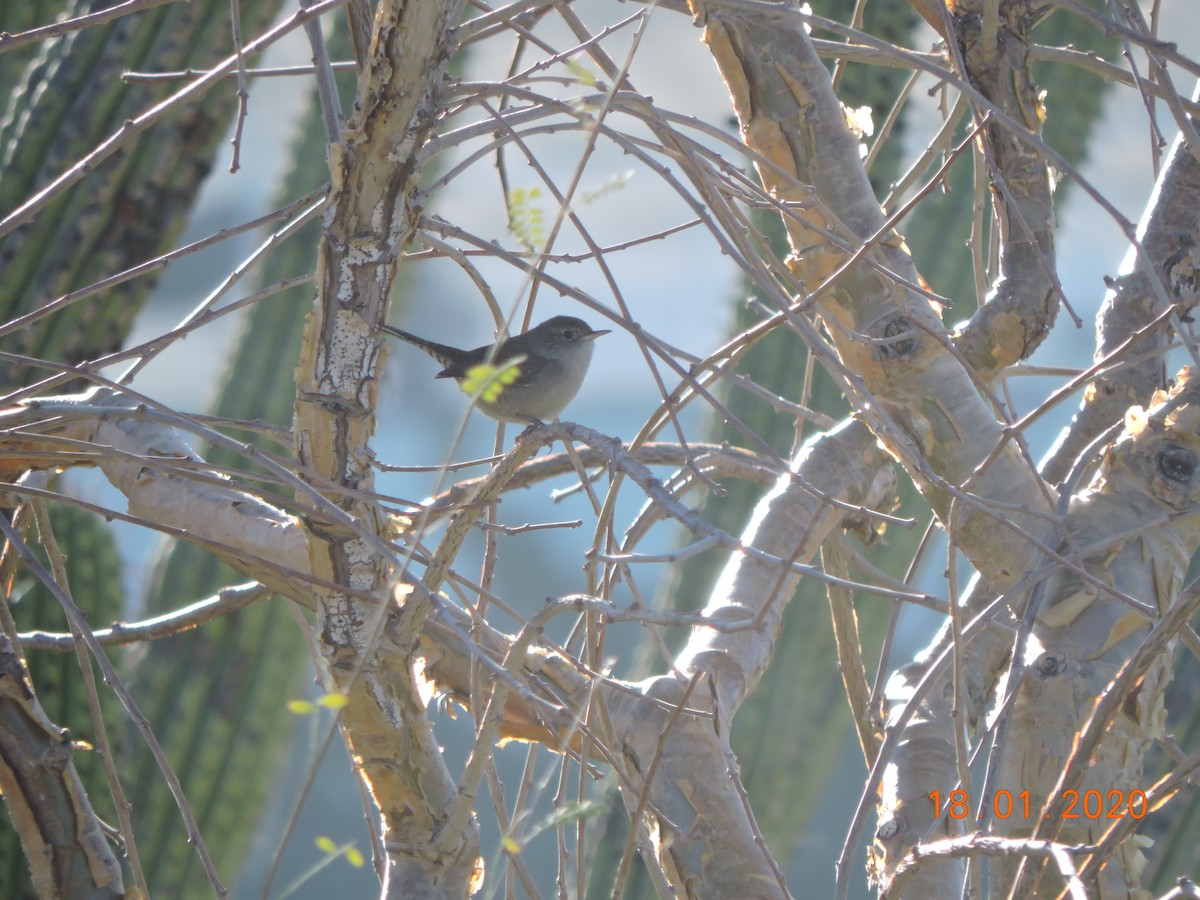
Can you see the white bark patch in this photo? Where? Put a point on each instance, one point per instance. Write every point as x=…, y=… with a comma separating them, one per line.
x=349, y=339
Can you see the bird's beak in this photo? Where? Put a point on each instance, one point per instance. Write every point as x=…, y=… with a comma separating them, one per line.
x=596, y=334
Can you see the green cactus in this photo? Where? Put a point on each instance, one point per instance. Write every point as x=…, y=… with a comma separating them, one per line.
x=65, y=101
x=66, y=95
x=94, y=575
x=226, y=734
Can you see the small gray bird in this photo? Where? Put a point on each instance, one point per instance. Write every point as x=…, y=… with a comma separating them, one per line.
x=557, y=353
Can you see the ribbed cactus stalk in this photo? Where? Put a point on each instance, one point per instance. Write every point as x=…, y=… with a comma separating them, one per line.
x=65, y=95
x=226, y=732
x=70, y=97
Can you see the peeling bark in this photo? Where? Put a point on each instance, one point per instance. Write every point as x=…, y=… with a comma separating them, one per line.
x=371, y=218
x=63, y=841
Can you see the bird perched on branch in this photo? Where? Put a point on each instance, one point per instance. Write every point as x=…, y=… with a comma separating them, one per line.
x=549, y=362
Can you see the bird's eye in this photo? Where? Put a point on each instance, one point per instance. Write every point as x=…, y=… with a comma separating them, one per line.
x=569, y=334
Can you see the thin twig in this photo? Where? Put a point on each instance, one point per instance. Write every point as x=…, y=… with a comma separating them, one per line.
x=327, y=92
x=58, y=29
x=79, y=623
x=168, y=624
x=151, y=265
x=136, y=125
x=104, y=747
x=243, y=93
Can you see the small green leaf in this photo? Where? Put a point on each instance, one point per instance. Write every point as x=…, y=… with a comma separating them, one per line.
x=585, y=75
x=526, y=220
x=334, y=700
x=614, y=182
x=354, y=857
x=301, y=707
x=567, y=812
x=326, y=845
x=582, y=809
x=486, y=382
x=564, y=814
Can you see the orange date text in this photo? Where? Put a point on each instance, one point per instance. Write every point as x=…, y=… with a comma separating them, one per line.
x=1090, y=804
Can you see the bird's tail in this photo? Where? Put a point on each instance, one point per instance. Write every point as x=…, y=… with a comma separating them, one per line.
x=447, y=356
